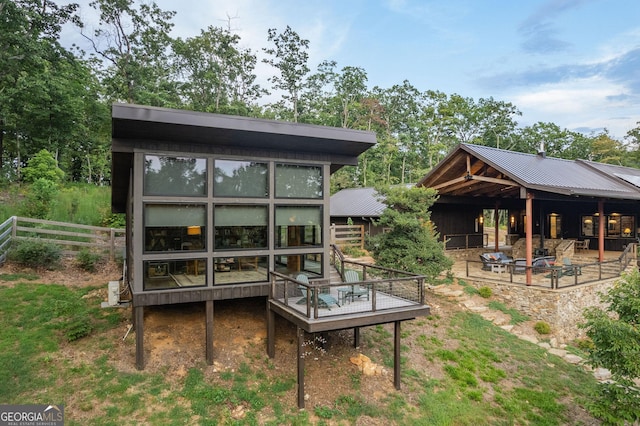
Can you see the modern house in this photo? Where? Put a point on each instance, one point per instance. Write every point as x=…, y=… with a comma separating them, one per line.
x=215, y=202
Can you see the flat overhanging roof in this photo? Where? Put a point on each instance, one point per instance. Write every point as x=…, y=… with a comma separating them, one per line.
x=138, y=127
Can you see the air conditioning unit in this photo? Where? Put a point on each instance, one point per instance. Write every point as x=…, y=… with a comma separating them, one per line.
x=114, y=293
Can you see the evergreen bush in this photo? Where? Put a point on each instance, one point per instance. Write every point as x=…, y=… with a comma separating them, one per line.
x=36, y=254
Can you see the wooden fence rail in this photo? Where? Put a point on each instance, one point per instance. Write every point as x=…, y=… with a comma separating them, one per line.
x=70, y=236
x=347, y=235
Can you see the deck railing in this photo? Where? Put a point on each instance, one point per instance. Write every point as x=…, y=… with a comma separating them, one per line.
x=70, y=236
x=379, y=289
x=556, y=276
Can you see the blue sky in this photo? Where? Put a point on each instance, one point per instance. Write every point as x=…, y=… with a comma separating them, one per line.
x=575, y=63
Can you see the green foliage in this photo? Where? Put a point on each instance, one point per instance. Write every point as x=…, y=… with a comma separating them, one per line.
x=542, y=327
x=615, y=333
x=36, y=254
x=39, y=199
x=412, y=242
x=42, y=166
x=516, y=316
x=485, y=292
x=77, y=329
x=88, y=260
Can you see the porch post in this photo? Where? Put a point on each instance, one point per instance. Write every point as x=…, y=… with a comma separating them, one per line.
x=396, y=354
x=601, y=225
x=271, y=332
x=496, y=233
x=529, y=235
x=209, y=331
x=300, y=334
x=138, y=319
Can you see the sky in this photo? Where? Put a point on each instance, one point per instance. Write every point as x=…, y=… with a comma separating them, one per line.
x=575, y=63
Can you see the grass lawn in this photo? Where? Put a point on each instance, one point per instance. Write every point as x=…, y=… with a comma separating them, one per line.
x=58, y=347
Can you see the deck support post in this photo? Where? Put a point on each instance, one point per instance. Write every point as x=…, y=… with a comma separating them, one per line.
x=300, y=334
x=529, y=236
x=601, y=226
x=396, y=354
x=209, y=331
x=271, y=332
x=138, y=320
x=356, y=337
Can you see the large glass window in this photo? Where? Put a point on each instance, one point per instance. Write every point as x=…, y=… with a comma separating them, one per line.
x=291, y=264
x=184, y=176
x=240, y=227
x=243, y=269
x=616, y=225
x=294, y=181
x=174, y=227
x=298, y=226
x=165, y=274
x=240, y=179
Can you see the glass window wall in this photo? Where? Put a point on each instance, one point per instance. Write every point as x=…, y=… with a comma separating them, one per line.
x=240, y=179
x=175, y=176
x=298, y=226
x=166, y=274
x=174, y=227
x=294, y=181
x=240, y=227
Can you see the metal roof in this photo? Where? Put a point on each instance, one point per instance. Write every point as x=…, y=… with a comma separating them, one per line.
x=356, y=202
x=474, y=170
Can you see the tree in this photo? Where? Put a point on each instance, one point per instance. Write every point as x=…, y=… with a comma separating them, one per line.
x=412, y=241
x=43, y=166
x=289, y=57
x=615, y=333
x=134, y=45
x=216, y=75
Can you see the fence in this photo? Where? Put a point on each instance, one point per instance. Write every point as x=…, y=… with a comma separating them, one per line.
x=348, y=235
x=71, y=237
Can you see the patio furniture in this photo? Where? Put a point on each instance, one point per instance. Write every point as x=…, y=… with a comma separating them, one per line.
x=539, y=264
x=489, y=259
x=582, y=245
x=353, y=291
x=325, y=300
x=569, y=268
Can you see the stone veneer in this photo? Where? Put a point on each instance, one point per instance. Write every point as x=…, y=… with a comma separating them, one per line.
x=562, y=309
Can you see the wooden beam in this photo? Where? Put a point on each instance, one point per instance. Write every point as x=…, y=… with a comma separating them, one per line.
x=493, y=180
x=601, y=226
x=450, y=182
x=300, y=334
x=138, y=313
x=396, y=354
x=271, y=331
x=209, y=331
x=529, y=236
x=356, y=337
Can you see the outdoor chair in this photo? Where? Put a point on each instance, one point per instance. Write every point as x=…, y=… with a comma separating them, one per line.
x=325, y=300
x=489, y=259
x=353, y=291
x=569, y=268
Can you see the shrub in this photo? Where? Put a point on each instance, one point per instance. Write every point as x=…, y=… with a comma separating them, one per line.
x=88, y=260
x=77, y=329
x=36, y=254
x=485, y=292
x=39, y=200
x=542, y=327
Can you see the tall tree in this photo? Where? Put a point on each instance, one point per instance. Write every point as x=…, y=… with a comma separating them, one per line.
x=134, y=46
x=215, y=74
x=289, y=56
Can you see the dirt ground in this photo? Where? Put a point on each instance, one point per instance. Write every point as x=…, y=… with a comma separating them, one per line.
x=174, y=342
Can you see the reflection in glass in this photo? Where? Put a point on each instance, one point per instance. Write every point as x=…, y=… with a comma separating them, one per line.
x=166, y=274
x=243, y=269
x=174, y=227
x=291, y=264
x=175, y=176
x=240, y=227
x=298, y=226
x=294, y=181
x=240, y=179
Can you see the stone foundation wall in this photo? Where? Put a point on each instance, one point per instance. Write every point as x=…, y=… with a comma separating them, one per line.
x=562, y=309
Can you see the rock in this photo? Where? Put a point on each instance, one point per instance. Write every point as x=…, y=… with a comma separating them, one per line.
x=602, y=374
x=573, y=359
x=544, y=345
x=558, y=352
x=507, y=327
x=529, y=338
